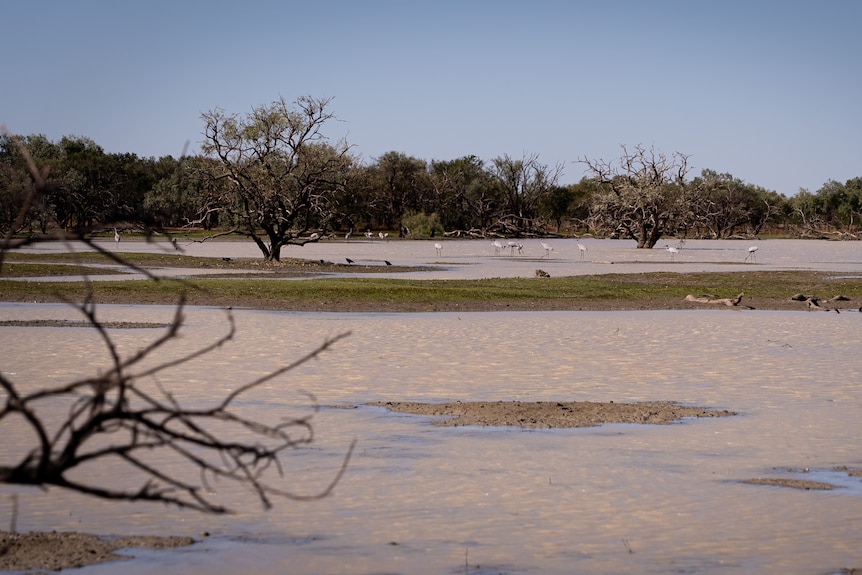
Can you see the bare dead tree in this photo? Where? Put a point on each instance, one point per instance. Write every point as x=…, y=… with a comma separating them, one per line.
x=126, y=414
x=642, y=194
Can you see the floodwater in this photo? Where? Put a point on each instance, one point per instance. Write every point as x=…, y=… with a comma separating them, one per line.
x=418, y=498
x=478, y=259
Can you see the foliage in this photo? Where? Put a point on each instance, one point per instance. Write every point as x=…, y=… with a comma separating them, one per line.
x=523, y=183
x=419, y=225
x=280, y=181
x=723, y=204
x=399, y=184
x=834, y=210
x=278, y=171
x=465, y=197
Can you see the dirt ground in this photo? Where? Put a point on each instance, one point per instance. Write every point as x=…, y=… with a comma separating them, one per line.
x=551, y=414
x=39, y=552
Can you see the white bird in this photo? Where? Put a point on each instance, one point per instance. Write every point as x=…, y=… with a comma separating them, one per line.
x=314, y=236
x=497, y=246
x=368, y=234
x=583, y=249
x=116, y=236
x=548, y=249
x=439, y=247
x=672, y=251
x=752, y=254
x=347, y=235
x=515, y=246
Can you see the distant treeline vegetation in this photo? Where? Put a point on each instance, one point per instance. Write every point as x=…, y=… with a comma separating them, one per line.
x=272, y=175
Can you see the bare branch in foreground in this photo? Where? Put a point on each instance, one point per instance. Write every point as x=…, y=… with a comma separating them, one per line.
x=126, y=414
x=216, y=443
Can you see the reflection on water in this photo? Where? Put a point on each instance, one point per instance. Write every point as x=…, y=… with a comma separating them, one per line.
x=423, y=499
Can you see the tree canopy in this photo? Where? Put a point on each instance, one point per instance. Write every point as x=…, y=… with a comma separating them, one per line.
x=277, y=171
x=275, y=176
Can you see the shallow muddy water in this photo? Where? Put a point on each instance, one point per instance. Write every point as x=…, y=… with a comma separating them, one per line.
x=477, y=259
x=424, y=499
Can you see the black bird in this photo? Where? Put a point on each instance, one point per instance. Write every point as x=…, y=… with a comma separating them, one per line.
x=350, y=261
x=227, y=259
x=387, y=262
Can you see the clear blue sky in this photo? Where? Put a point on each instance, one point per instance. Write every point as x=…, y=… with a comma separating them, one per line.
x=769, y=91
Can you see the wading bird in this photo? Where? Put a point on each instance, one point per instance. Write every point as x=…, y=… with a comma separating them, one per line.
x=752, y=254
x=513, y=245
x=439, y=247
x=583, y=249
x=497, y=247
x=116, y=235
x=672, y=251
x=548, y=249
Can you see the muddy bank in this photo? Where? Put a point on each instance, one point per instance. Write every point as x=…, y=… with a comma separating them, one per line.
x=55, y=551
x=70, y=323
x=551, y=414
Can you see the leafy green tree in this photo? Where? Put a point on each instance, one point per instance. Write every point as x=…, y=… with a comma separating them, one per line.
x=421, y=225
x=279, y=172
x=722, y=204
x=465, y=197
x=835, y=207
x=579, y=208
x=16, y=180
x=771, y=208
x=400, y=184
x=839, y=205
x=807, y=207
x=182, y=196
x=82, y=195
x=555, y=205
x=853, y=189
x=524, y=183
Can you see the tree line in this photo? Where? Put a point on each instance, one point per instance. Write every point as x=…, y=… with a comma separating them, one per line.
x=274, y=176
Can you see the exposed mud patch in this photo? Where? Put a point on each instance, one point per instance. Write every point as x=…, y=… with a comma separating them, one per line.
x=840, y=477
x=55, y=551
x=70, y=323
x=551, y=414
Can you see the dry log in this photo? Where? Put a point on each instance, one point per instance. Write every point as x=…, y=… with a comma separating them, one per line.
x=707, y=298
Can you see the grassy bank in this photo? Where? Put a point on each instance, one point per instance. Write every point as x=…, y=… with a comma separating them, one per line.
x=660, y=290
